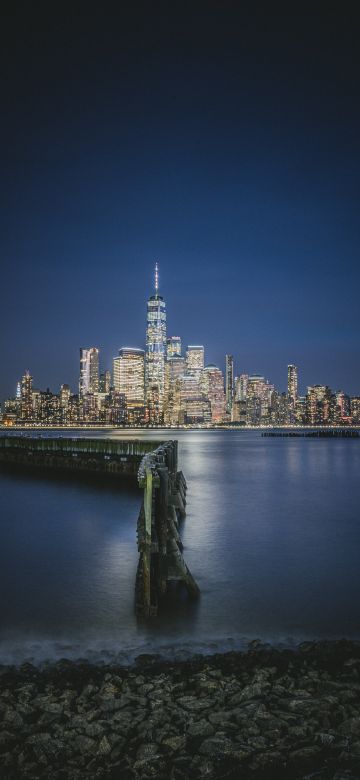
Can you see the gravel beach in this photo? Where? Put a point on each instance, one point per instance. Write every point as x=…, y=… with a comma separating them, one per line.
x=264, y=713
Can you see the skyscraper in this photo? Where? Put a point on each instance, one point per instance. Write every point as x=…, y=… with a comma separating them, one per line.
x=105, y=382
x=241, y=387
x=194, y=360
x=174, y=369
x=292, y=384
x=129, y=381
x=89, y=371
x=26, y=396
x=213, y=385
x=258, y=400
x=155, y=352
x=173, y=346
x=194, y=406
x=292, y=393
x=229, y=382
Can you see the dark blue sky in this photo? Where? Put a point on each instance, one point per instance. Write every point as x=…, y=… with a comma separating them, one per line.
x=224, y=143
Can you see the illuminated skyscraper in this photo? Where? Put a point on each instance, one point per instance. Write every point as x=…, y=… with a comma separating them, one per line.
x=292, y=384
x=129, y=381
x=173, y=346
x=213, y=385
x=194, y=360
x=174, y=369
x=65, y=394
x=26, y=396
x=155, y=352
x=241, y=384
x=318, y=401
x=229, y=382
x=105, y=382
x=258, y=400
x=89, y=371
x=194, y=406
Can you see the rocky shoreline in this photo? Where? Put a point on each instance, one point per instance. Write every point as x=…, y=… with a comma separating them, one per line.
x=266, y=713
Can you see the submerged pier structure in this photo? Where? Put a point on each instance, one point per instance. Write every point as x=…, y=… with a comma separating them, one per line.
x=160, y=547
x=155, y=465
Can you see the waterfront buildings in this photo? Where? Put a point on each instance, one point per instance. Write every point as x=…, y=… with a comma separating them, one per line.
x=175, y=368
x=195, y=360
x=155, y=354
x=129, y=380
x=355, y=409
x=26, y=397
x=229, y=383
x=159, y=386
x=292, y=384
x=188, y=400
x=89, y=371
x=214, y=390
x=318, y=404
x=105, y=382
x=292, y=391
x=258, y=400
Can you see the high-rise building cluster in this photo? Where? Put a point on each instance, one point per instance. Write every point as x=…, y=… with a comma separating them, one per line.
x=166, y=385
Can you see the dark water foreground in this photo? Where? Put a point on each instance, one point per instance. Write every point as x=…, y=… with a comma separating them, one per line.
x=272, y=536
x=267, y=713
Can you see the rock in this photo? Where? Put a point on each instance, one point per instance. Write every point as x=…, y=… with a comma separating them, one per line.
x=193, y=704
x=147, y=659
x=270, y=758
x=253, y=691
x=104, y=746
x=147, y=751
x=216, y=746
x=217, y=718
x=88, y=691
x=110, y=704
x=117, y=750
x=200, y=728
x=94, y=729
x=351, y=726
x=305, y=753
x=206, y=768
x=186, y=720
x=39, y=739
x=326, y=739
x=13, y=718
x=6, y=738
x=298, y=732
x=85, y=744
x=174, y=744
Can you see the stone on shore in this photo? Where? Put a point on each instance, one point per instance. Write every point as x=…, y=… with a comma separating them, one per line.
x=267, y=713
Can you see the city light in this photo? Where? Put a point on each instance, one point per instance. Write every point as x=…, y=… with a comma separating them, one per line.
x=159, y=386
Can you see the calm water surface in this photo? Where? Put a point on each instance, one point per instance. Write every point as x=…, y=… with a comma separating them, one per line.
x=272, y=536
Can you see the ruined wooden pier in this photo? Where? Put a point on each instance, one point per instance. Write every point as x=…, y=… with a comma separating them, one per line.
x=160, y=547
x=163, y=505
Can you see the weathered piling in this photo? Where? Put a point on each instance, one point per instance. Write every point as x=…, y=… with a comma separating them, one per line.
x=159, y=543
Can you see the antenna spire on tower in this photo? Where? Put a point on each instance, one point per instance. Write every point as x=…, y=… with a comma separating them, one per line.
x=156, y=278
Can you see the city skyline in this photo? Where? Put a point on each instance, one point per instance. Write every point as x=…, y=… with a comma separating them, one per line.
x=159, y=385
x=219, y=140
x=170, y=342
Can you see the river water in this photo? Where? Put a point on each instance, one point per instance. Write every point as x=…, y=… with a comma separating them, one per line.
x=272, y=536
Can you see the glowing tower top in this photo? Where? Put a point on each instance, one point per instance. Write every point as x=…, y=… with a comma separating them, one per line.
x=155, y=353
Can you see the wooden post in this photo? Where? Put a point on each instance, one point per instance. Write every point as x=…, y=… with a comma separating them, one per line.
x=148, y=500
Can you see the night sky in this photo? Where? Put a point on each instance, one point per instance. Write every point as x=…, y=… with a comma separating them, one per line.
x=223, y=143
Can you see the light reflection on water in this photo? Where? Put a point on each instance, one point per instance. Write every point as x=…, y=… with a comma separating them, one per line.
x=271, y=535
